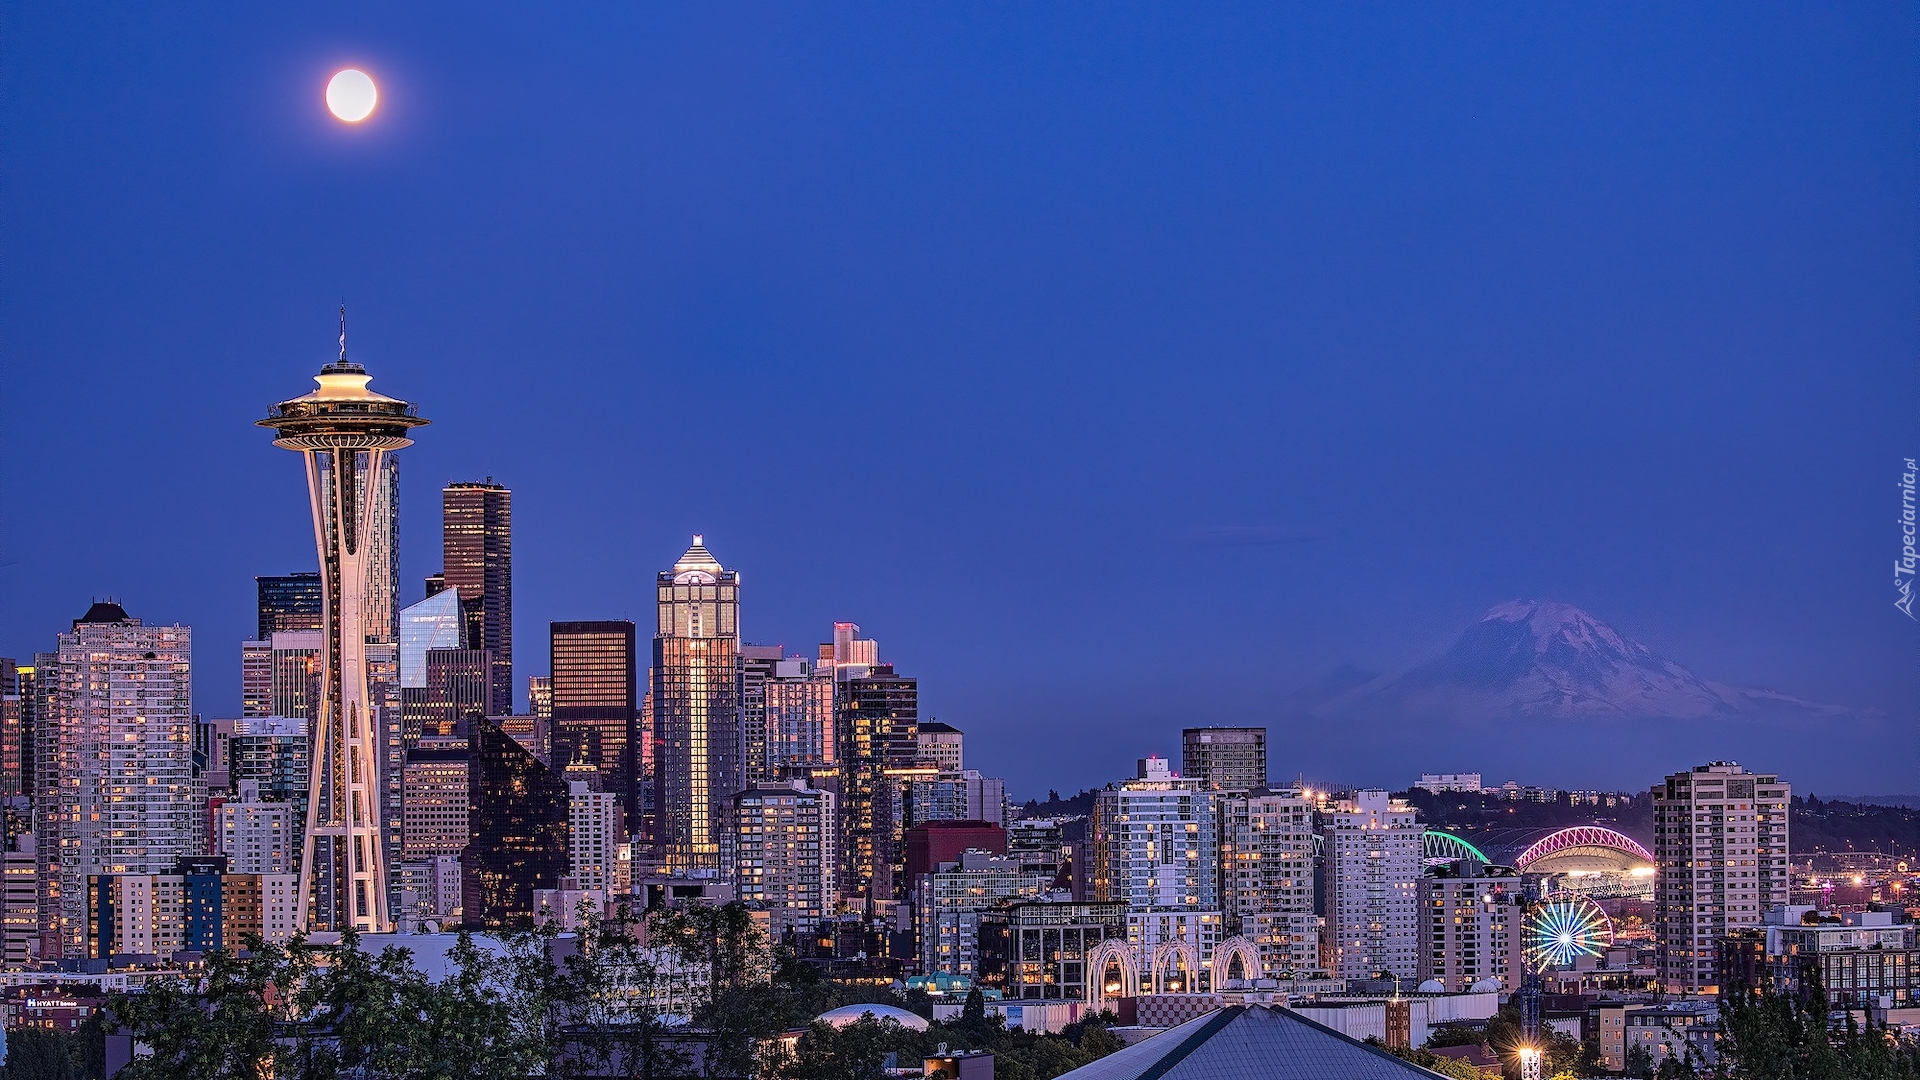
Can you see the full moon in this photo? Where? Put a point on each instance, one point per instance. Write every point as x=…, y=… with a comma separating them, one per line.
x=351, y=95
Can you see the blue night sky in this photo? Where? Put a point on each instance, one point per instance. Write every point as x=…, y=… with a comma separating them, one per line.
x=1118, y=367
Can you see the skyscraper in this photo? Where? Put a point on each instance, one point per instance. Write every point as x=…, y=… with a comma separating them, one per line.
x=1266, y=877
x=118, y=798
x=1720, y=842
x=518, y=834
x=695, y=651
x=1225, y=758
x=477, y=542
x=876, y=724
x=595, y=699
x=256, y=678
x=289, y=602
x=1156, y=847
x=435, y=624
x=1370, y=872
x=346, y=434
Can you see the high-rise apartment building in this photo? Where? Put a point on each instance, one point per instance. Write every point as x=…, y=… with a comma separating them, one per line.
x=256, y=836
x=1266, y=878
x=695, y=700
x=1369, y=880
x=595, y=834
x=921, y=797
x=347, y=435
x=289, y=602
x=1470, y=920
x=876, y=727
x=518, y=832
x=784, y=857
x=1720, y=844
x=799, y=716
x=940, y=745
x=477, y=545
x=118, y=797
x=1225, y=758
x=1156, y=848
x=595, y=704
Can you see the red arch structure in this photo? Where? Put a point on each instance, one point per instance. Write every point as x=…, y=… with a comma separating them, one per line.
x=1582, y=836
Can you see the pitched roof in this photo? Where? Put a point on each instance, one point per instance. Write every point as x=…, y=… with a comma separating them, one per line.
x=104, y=612
x=1249, y=1041
x=698, y=558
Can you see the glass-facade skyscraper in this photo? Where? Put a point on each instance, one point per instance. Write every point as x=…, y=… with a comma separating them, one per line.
x=288, y=602
x=876, y=725
x=595, y=704
x=696, y=646
x=477, y=546
x=518, y=813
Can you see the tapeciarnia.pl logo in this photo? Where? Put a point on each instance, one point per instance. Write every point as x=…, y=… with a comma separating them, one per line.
x=1903, y=566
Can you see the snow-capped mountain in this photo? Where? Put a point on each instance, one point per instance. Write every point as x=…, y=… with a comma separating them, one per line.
x=1546, y=660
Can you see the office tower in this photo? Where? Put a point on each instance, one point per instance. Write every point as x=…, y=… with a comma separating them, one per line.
x=1156, y=848
x=347, y=434
x=594, y=835
x=433, y=624
x=256, y=836
x=784, y=854
x=850, y=649
x=695, y=653
x=434, y=803
x=117, y=797
x=876, y=727
x=939, y=745
x=294, y=687
x=33, y=685
x=540, y=696
x=256, y=678
x=1225, y=758
x=1369, y=875
x=477, y=546
x=1059, y=934
x=595, y=698
x=271, y=752
x=20, y=895
x=1720, y=842
x=458, y=687
x=950, y=899
x=517, y=833
x=1266, y=878
x=289, y=602
x=12, y=773
x=1470, y=916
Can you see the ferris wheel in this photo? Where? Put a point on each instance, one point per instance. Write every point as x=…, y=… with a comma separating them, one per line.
x=1561, y=928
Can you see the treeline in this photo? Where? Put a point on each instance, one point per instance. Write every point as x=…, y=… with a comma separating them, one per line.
x=665, y=994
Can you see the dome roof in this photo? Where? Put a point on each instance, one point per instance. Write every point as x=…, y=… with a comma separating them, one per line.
x=1433, y=986
x=1485, y=986
x=847, y=1014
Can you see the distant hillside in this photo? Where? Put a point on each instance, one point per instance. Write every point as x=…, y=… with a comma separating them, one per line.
x=1818, y=824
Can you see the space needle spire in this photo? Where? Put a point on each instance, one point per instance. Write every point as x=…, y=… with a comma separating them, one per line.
x=344, y=432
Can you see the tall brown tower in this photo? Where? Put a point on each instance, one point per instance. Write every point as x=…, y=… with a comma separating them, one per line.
x=477, y=540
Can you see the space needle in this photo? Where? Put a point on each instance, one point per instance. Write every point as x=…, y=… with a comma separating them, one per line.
x=344, y=431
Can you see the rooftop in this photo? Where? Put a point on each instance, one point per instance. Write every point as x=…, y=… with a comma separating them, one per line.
x=1248, y=1041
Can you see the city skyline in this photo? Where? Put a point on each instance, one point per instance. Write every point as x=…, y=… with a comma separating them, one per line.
x=1381, y=323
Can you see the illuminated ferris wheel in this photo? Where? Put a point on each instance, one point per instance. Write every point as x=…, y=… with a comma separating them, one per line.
x=1561, y=928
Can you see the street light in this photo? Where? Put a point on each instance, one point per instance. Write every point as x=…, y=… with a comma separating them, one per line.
x=1529, y=1063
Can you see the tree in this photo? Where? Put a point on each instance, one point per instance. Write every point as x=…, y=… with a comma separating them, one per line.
x=226, y=1026
x=1639, y=1063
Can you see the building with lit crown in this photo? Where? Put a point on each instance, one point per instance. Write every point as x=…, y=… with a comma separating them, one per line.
x=696, y=646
